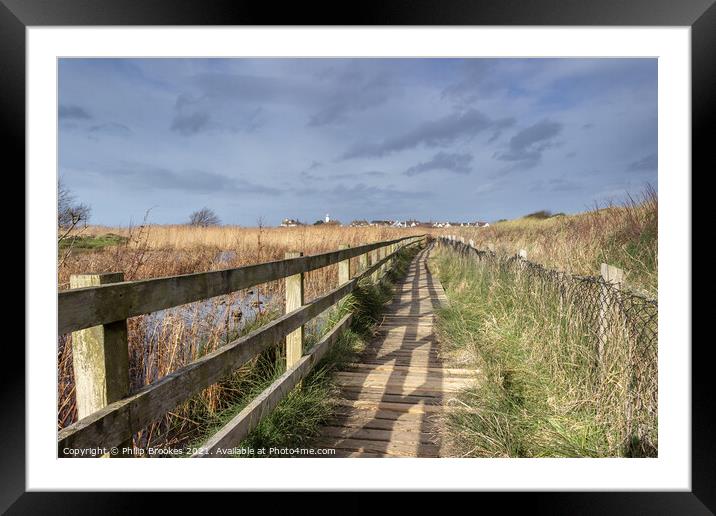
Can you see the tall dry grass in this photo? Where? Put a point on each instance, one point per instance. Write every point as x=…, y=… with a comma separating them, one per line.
x=622, y=235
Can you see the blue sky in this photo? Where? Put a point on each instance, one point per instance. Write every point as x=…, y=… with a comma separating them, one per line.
x=432, y=139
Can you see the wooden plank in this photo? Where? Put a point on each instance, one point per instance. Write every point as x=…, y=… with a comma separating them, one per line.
x=350, y=454
x=239, y=427
x=85, y=307
x=294, y=300
x=398, y=449
x=388, y=406
x=375, y=434
x=452, y=371
x=386, y=415
x=431, y=398
x=408, y=376
x=419, y=424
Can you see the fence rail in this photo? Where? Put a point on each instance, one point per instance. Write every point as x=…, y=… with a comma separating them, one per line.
x=113, y=420
x=621, y=324
x=86, y=307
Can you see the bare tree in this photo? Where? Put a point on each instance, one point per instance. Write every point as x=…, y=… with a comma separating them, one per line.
x=69, y=212
x=204, y=217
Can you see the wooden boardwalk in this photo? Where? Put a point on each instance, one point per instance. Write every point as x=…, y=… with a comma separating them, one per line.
x=392, y=399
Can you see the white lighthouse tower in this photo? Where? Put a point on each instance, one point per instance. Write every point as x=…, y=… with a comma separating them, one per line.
x=328, y=219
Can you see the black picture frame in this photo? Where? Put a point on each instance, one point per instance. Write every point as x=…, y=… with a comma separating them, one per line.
x=700, y=15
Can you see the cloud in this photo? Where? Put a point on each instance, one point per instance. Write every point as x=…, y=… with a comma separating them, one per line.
x=194, y=114
x=335, y=94
x=353, y=91
x=450, y=162
x=306, y=175
x=526, y=146
x=111, y=128
x=143, y=176
x=478, y=77
x=73, y=112
x=191, y=123
x=363, y=194
x=649, y=162
x=436, y=133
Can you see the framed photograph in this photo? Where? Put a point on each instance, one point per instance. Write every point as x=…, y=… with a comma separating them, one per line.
x=428, y=247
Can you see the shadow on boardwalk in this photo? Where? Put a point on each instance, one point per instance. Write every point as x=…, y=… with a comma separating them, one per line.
x=391, y=399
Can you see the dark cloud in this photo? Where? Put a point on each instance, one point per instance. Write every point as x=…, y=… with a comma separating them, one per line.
x=190, y=123
x=144, y=177
x=339, y=92
x=570, y=154
x=450, y=162
x=649, y=162
x=436, y=133
x=73, y=112
x=314, y=165
x=353, y=92
x=111, y=128
x=526, y=147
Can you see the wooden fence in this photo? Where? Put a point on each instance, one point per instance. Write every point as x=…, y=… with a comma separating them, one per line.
x=96, y=309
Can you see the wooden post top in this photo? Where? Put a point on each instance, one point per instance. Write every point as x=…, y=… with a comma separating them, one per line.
x=95, y=279
x=611, y=274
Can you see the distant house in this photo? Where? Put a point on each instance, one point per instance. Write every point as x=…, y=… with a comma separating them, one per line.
x=381, y=222
x=480, y=224
x=291, y=223
x=359, y=223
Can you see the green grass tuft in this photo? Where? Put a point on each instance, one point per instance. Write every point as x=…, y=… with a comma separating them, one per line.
x=92, y=243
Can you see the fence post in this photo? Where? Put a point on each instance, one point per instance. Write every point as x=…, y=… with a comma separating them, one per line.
x=362, y=262
x=100, y=358
x=294, y=300
x=373, y=261
x=344, y=268
x=381, y=255
x=612, y=276
x=522, y=254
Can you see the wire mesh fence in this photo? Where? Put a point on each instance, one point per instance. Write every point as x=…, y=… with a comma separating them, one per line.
x=618, y=326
